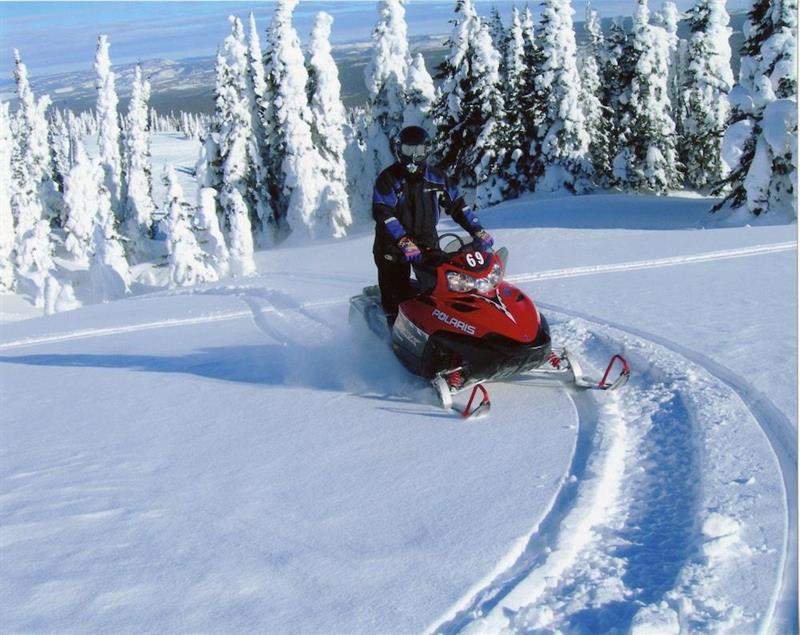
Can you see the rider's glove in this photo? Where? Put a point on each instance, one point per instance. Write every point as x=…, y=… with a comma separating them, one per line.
x=410, y=251
x=484, y=238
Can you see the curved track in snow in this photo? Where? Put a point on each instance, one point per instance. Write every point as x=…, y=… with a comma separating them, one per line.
x=632, y=538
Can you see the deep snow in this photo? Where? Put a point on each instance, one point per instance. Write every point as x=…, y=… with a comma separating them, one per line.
x=235, y=457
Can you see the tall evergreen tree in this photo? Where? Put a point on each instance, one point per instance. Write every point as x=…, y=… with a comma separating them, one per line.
x=760, y=145
x=80, y=204
x=300, y=162
x=262, y=214
x=562, y=134
x=139, y=206
x=385, y=77
x=108, y=140
x=186, y=260
x=420, y=95
x=327, y=125
x=532, y=101
x=514, y=84
x=647, y=156
x=599, y=118
x=7, y=281
x=707, y=80
x=234, y=131
x=470, y=111
x=108, y=269
x=209, y=235
x=36, y=191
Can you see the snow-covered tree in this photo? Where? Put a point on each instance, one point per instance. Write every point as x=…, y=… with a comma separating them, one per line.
x=34, y=261
x=234, y=131
x=108, y=139
x=80, y=206
x=327, y=125
x=706, y=81
x=599, y=119
x=35, y=188
x=760, y=145
x=59, y=142
x=6, y=218
x=531, y=103
x=515, y=87
x=470, y=111
x=647, y=157
x=108, y=269
x=563, y=135
x=186, y=260
x=302, y=180
x=262, y=215
x=499, y=34
x=385, y=76
x=139, y=206
x=209, y=235
x=420, y=95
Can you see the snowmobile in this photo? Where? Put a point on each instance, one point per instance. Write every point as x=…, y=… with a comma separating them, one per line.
x=465, y=326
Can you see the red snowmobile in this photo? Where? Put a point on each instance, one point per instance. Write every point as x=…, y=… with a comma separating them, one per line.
x=465, y=325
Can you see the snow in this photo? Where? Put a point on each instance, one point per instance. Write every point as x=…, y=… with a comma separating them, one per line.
x=234, y=457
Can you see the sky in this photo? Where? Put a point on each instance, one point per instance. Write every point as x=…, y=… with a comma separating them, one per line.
x=55, y=37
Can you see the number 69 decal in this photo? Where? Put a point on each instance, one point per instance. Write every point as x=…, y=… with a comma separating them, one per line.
x=475, y=259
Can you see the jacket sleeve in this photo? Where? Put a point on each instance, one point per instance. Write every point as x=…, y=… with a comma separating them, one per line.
x=384, y=207
x=456, y=207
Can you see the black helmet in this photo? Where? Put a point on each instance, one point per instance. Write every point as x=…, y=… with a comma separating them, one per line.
x=413, y=146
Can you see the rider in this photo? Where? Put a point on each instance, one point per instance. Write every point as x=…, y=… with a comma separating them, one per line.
x=406, y=201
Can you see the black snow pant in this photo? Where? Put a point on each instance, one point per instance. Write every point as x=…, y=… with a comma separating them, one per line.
x=394, y=283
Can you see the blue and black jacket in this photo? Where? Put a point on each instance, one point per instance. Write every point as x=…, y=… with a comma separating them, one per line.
x=405, y=205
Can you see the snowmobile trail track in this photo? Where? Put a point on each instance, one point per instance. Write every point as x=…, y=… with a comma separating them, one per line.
x=656, y=509
x=783, y=441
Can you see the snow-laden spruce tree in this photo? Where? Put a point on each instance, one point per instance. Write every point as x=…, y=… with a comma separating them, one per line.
x=108, y=269
x=139, y=206
x=470, y=112
x=81, y=203
x=647, y=157
x=564, y=140
x=515, y=87
x=108, y=134
x=187, y=262
x=327, y=124
x=420, y=95
x=59, y=142
x=760, y=145
x=707, y=80
x=33, y=172
x=34, y=261
x=233, y=122
x=385, y=77
x=360, y=167
x=258, y=149
x=7, y=281
x=668, y=18
x=302, y=180
x=599, y=118
x=531, y=103
x=499, y=35
x=209, y=235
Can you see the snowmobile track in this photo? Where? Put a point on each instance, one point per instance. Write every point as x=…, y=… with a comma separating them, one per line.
x=671, y=517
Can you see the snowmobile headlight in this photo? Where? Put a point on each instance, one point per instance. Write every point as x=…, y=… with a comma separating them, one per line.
x=460, y=282
x=495, y=277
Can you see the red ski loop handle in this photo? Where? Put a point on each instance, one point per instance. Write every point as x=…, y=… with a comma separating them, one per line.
x=626, y=371
x=485, y=404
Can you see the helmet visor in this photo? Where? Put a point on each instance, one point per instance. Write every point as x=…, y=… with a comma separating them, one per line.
x=415, y=152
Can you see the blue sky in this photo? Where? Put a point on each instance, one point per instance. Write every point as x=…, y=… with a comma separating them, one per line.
x=60, y=36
